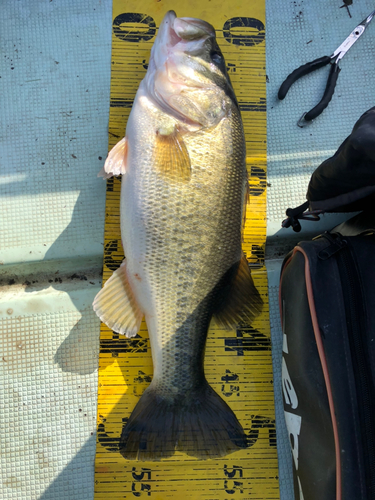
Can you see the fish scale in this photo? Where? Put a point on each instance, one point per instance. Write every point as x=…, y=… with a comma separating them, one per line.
x=176, y=275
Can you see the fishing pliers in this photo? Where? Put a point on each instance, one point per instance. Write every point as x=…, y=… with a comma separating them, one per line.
x=333, y=74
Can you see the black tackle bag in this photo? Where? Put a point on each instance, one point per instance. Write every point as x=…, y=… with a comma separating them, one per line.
x=346, y=181
x=327, y=306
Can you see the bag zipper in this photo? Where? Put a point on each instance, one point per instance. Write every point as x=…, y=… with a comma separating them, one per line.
x=355, y=315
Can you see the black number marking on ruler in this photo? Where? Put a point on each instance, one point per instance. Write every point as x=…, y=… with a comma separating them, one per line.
x=259, y=422
x=111, y=183
x=141, y=382
x=247, y=339
x=122, y=345
x=257, y=181
x=256, y=258
x=253, y=31
x=109, y=442
x=259, y=105
x=134, y=28
x=138, y=486
x=228, y=389
x=144, y=472
x=236, y=471
x=232, y=485
x=121, y=103
x=113, y=254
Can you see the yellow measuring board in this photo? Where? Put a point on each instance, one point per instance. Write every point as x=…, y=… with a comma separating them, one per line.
x=238, y=363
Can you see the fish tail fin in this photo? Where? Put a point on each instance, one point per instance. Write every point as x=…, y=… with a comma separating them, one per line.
x=199, y=423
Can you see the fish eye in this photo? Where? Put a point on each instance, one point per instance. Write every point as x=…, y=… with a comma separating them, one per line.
x=216, y=57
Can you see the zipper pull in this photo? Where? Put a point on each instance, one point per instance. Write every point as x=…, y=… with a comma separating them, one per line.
x=336, y=243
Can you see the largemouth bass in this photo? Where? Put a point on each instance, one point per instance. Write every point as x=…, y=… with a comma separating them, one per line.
x=183, y=196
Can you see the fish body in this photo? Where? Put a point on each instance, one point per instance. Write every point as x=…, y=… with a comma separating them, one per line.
x=183, y=197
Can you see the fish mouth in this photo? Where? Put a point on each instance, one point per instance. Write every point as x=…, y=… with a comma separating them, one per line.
x=175, y=29
x=166, y=34
x=187, y=33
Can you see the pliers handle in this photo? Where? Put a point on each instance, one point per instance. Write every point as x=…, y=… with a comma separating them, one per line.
x=333, y=74
x=305, y=70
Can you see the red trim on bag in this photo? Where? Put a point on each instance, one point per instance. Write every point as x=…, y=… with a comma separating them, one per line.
x=323, y=361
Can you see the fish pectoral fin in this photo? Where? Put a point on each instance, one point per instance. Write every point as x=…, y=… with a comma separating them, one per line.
x=116, y=306
x=115, y=163
x=171, y=157
x=239, y=301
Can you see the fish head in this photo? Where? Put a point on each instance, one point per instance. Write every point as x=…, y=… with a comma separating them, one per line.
x=187, y=76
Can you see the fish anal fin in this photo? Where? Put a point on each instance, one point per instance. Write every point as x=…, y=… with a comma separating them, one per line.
x=171, y=157
x=115, y=163
x=116, y=305
x=238, y=300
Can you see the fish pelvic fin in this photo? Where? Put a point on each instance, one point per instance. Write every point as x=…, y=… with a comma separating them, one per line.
x=115, y=163
x=171, y=157
x=198, y=423
x=116, y=306
x=239, y=300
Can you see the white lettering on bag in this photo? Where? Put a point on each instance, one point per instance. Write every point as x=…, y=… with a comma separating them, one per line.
x=300, y=489
x=293, y=422
x=288, y=389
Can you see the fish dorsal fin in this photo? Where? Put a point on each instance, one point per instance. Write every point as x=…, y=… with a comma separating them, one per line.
x=239, y=302
x=115, y=163
x=171, y=157
x=116, y=306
